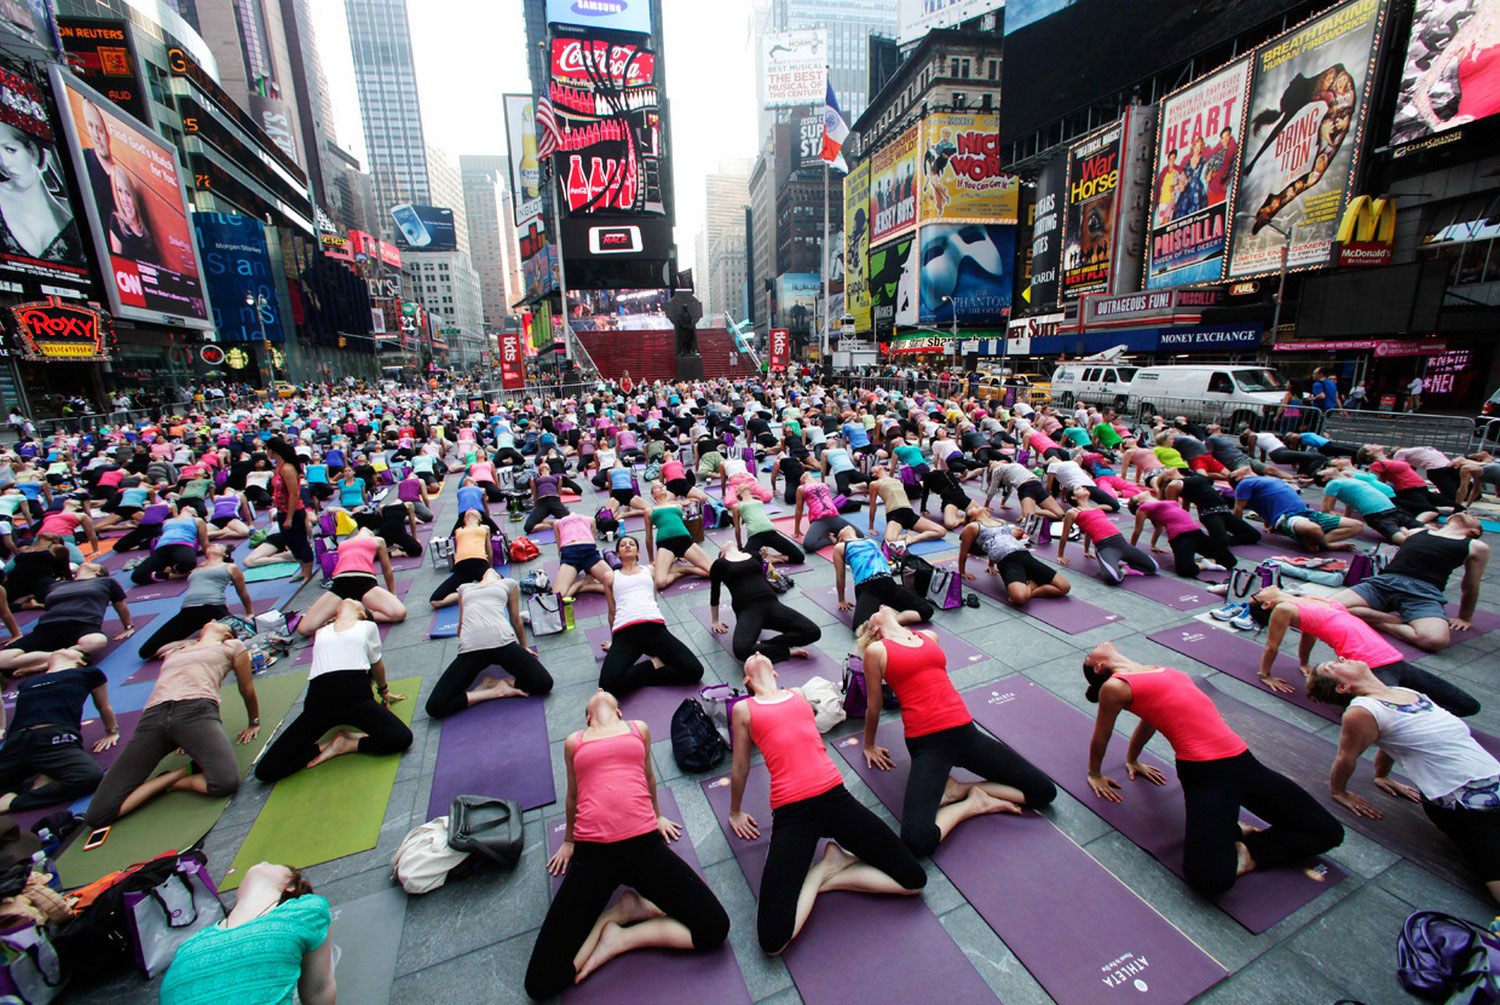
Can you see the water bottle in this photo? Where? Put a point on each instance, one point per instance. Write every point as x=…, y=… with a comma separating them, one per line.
x=568, y=614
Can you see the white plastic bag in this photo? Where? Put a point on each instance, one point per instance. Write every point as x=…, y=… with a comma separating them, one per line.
x=827, y=703
x=423, y=861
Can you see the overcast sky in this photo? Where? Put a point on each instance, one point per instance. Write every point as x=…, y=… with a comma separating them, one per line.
x=470, y=52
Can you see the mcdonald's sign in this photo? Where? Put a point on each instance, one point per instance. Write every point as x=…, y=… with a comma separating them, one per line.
x=1367, y=232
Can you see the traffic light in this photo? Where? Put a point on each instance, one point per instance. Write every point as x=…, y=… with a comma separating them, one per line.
x=343, y=342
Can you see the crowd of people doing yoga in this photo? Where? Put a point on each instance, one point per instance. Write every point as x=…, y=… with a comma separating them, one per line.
x=867, y=478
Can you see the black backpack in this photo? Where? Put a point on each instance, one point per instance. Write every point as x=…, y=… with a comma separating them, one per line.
x=696, y=743
x=96, y=944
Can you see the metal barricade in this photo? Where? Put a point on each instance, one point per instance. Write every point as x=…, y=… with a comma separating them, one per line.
x=1452, y=434
x=1232, y=416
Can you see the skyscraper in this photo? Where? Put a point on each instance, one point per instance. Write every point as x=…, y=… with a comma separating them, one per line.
x=491, y=242
x=446, y=189
x=380, y=40
x=721, y=272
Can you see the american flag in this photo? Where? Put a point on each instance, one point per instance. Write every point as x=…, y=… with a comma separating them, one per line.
x=546, y=123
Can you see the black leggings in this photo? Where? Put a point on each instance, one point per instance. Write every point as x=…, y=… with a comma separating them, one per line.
x=545, y=506
x=1187, y=546
x=1415, y=501
x=1476, y=832
x=777, y=542
x=340, y=698
x=1226, y=528
x=182, y=625
x=846, y=482
x=796, y=629
x=1113, y=550
x=1306, y=462
x=1446, y=695
x=179, y=558
x=1446, y=480
x=625, y=671
x=53, y=751
x=137, y=536
x=644, y=863
x=933, y=758
x=470, y=570
x=1214, y=792
x=823, y=531
x=796, y=829
x=451, y=693
x=869, y=595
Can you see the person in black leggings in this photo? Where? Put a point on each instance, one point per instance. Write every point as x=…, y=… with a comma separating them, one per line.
x=490, y=633
x=874, y=584
x=473, y=553
x=37, y=567
x=202, y=601
x=396, y=524
x=640, y=630
x=1214, y=510
x=346, y=662
x=756, y=609
x=546, y=488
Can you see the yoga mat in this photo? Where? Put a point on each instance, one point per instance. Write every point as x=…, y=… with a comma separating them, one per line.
x=303, y=656
x=495, y=748
x=444, y=623
x=158, y=590
x=323, y=813
x=276, y=570
x=1066, y=614
x=1054, y=736
x=585, y=605
x=959, y=652
x=367, y=939
x=932, y=547
x=178, y=820
x=93, y=732
x=831, y=959
x=1177, y=593
x=1098, y=937
x=674, y=977
x=652, y=705
x=793, y=672
x=1306, y=759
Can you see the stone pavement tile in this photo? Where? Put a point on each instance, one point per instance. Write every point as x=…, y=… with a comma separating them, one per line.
x=1021, y=642
x=999, y=967
x=1422, y=891
x=1353, y=945
x=1280, y=975
x=764, y=975
x=489, y=975
x=360, y=884
x=700, y=823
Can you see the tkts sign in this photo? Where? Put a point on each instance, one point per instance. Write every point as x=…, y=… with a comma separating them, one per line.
x=54, y=331
x=780, y=348
x=512, y=360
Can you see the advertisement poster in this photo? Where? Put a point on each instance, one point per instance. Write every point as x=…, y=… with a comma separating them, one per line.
x=615, y=15
x=797, y=301
x=961, y=177
x=525, y=168
x=1089, y=223
x=893, y=185
x=857, y=246
x=1046, y=232
x=237, y=268
x=966, y=267
x=808, y=122
x=893, y=285
x=611, y=132
x=796, y=68
x=512, y=360
x=424, y=228
x=618, y=310
x=917, y=17
x=1132, y=198
x=100, y=51
x=41, y=240
x=778, y=348
x=1449, y=40
x=1197, y=154
x=137, y=208
x=1308, y=101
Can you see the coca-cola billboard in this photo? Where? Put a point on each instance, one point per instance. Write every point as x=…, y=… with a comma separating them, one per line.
x=585, y=61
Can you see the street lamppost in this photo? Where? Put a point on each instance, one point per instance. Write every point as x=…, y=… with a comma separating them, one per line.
x=1286, y=246
x=257, y=301
x=953, y=306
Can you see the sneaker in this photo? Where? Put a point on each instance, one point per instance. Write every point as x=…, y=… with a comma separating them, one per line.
x=1229, y=611
x=1243, y=621
x=1219, y=589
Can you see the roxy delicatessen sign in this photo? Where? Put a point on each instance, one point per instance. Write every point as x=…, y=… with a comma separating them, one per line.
x=56, y=332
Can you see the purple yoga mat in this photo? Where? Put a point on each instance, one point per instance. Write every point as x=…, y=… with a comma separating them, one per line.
x=792, y=672
x=93, y=731
x=496, y=748
x=652, y=705
x=156, y=590
x=831, y=958
x=1067, y=613
x=1305, y=759
x=960, y=653
x=1177, y=593
x=1054, y=736
x=1097, y=938
x=674, y=978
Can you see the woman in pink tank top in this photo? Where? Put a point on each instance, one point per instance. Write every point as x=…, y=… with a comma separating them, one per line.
x=1218, y=774
x=1186, y=537
x=825, y=519
x=1321, y=620
x=615, y=835
x=1115, y=554
x=354, y=578
x=808, y=802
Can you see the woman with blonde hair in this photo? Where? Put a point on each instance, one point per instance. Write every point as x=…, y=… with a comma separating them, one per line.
x=129, y=232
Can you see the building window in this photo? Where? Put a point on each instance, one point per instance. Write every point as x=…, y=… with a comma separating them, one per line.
x=994, y=69
x=960, y=99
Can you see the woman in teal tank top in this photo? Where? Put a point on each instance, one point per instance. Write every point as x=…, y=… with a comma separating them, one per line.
x=673, y=551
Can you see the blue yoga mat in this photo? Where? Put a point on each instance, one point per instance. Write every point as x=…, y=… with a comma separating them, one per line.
x=444, y=623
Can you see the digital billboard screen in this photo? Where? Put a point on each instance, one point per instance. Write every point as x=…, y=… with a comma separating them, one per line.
x=237, y=268
x=615, y=15
x=100, y=51
x=137, y=209
x=619, y=310
x=1443, y=81
x=424, y=228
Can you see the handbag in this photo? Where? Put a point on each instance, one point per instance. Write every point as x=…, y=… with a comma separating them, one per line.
x=917, y=574
x=163, y=917
x=720, y=700
x=1442, y=957
x=31, y=972
x=856, y=695
x=440, y=550
x=545, y=620
x=536, y=581
x=692, y=518
x=696, y=743
x=779, y=581
x=487, y=827
x=827, y=704
x=424, y=859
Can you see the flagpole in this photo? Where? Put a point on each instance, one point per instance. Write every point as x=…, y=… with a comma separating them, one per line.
x=825, y=358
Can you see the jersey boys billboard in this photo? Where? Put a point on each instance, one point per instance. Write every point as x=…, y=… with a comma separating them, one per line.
x=1197, y=154
x=893, y=186
x=1093, y=180
x=1308, y=104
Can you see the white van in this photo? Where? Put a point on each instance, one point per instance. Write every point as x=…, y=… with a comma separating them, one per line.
x=1238, y=393
x=1096, y=382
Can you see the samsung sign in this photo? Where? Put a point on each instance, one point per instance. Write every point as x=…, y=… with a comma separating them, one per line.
x=617, y=15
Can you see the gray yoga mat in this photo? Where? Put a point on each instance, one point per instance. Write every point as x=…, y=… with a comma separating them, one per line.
x=1083, y=934
x=1054, y=736
x=367, y=936
x=960, y=653
x=837, y=958
x=674, y=978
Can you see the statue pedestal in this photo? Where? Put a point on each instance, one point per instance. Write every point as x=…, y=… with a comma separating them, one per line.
x=690, y=367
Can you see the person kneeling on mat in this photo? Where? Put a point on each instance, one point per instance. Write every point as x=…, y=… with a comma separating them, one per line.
x=808, y=802
x=1325, y=620
x=640, y=630
x=44, y=746
x=490, y=633
x=1455, y=777
x=1114, y=553
x=1007, y=553
x=1186, y=537
x=873, y=582
x=617, y=836
x=940, y=735
x=346, y=661
x=73, y=619
x=756, y=609
x=1218, y=774
x=182, y=712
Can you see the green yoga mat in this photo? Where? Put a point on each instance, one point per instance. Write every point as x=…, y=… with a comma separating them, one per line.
x=177, y=820
x=276, y=570
x=323, y=813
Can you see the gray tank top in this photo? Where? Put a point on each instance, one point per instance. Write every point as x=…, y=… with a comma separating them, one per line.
x=206, y=586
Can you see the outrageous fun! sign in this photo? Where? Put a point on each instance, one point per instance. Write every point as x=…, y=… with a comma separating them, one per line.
x=1093, y=179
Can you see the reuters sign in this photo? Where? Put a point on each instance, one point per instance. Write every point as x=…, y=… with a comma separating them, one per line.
x=1367, y=232
x=56, y=331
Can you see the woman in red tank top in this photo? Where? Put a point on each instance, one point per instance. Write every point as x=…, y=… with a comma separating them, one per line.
x=808, y=802
x=940, y=736
x=616, y=836
x=1218, y=774
x=354, y=579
